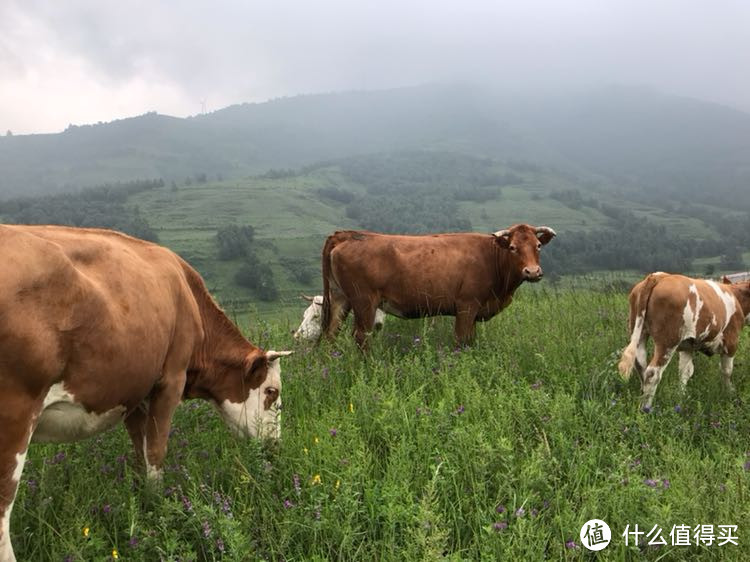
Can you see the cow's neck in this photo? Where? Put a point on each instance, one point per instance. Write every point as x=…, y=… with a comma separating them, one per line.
x=222, y=346
x=742, y=292
x=507, y=279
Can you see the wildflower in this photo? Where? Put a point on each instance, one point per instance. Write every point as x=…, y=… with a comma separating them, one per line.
x=534, y=512
x=537, y=385
x=646, y=409
x=86, y=532
x=288, y=504
x=304, y=450
x=316, y=479
x=297, y=487
x=351, y=408
x=520, y=512
x=32, y=484
x=106, y=508
x=460, y=409
x=747, y=465
x=333, y=431
x=677, y=409
x=133, y=542
x=115, y=554
x=651, y=483
x=665, y=482
x=500, y=508
x=316, y=440
x=206, y=529
x=187, y=504
x=336, y=354
x=338, y=483
x=571, y=544
x=500, y=525
x=220, y=545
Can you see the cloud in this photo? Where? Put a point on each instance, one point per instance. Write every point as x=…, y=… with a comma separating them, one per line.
x=81, y=61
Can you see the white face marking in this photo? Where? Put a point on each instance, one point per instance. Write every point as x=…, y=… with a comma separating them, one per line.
x=250, y=418
x=311, y=327
x=63, y=419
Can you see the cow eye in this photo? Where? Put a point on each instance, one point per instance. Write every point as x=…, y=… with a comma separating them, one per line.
x=272, y=392
x=513, y=248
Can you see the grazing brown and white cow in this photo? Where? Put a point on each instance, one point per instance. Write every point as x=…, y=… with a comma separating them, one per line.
x=467, y=275
x=685, y=315
x=96, y=328
x=310, y=327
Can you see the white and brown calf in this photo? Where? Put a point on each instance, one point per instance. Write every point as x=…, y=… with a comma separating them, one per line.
x=684, y=315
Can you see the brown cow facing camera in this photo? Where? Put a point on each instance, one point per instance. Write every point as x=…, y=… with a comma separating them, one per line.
x=467, y=275
x=97, y=328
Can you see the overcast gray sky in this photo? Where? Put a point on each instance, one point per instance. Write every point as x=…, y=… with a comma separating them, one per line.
x=79, y=61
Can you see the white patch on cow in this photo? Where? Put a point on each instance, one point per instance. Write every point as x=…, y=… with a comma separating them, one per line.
x=312, y=319
x=729, y=300
x=713, y=319
x=690, y=315
x=379, y=318
x=63, y=419
x=636, y=349
x=6, y=548
x=686, y=367
x=153, y=472
x=250, y=418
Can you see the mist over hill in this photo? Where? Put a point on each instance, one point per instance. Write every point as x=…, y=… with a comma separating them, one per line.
x=649, y=144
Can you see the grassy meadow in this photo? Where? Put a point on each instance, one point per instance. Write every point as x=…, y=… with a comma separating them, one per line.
x=421, y=451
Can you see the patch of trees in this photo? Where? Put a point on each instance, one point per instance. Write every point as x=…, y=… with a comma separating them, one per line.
x=98, y=207
x=300, y=269
x=574, y=199
x=336, y=194
x=235, y=242
x=407, y=213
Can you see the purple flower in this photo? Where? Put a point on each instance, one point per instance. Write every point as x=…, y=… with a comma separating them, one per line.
x=220, y=545
x=336, y=354
x=297, y=487
x=534, y=513
x=520, y=512
x=121, y=459
x=747, y=465
x=460, y=409
x=106, y=508
x=133, y=542
x=333, y=431
x=650, y=482
x=206, y=529
x=571, y=544
x=187, y=504
x=288, y=504
x=500, y=508
x=665, y=482
x=677, y=409
x=58, y=458
x=32, y=484
x=317, y=514
x=500, y=525
x=646, y=409
x=537, y=385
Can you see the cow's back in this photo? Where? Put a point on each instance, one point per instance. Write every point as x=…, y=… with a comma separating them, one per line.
x=93, y=309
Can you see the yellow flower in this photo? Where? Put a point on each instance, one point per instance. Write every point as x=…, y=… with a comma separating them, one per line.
x=351, y=407
x=317, y=440
x=338, y=483
x=86, y=532
x=316, y=479
x=115, y=554
x=304, y=449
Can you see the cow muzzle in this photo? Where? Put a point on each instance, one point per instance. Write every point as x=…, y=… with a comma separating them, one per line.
x=532, y=274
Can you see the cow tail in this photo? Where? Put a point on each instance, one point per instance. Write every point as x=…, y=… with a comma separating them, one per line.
x=326, y=271
x=639, y=299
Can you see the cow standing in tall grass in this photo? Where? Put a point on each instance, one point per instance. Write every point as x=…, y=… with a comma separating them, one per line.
x=684, y=315
x=98, y=328
x=467, y=275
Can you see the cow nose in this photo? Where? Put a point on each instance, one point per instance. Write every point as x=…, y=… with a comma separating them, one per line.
x=533, y=272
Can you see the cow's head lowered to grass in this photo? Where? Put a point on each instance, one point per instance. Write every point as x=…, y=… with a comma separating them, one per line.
x=524, y=242
x=247, y=393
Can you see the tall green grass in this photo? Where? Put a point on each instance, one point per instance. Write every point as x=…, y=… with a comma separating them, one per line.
x=418, y=451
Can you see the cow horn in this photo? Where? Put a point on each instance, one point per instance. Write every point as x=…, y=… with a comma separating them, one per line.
x=272, y=355
x=545, y=230
x=308, y=298
x=501, y=233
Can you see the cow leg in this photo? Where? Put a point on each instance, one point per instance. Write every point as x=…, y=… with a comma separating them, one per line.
x=135, y=423
x=686, y=368
x=464, y=327
x=727, y=364
x=364, y=318
x=340, y=308
x=162, y=404
x=652, y=375
x=16, y=421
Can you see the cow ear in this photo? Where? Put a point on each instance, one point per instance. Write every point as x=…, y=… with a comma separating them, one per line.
x=545, y=234
x=502, y=238
x=726, y=280
x=256, y=365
